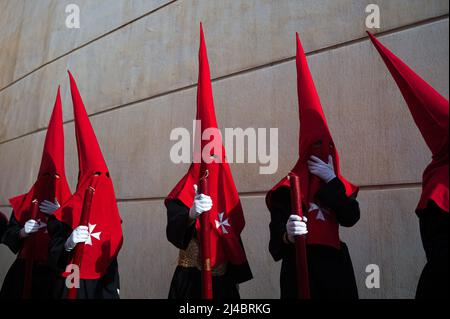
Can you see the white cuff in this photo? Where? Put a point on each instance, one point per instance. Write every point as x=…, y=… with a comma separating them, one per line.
x=68, y=247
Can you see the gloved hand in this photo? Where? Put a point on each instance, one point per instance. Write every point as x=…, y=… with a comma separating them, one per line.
x=296, y=226
x=202, y=203
x=79, y=235
x=30, y=227
x=325, y=171
x=47, y=207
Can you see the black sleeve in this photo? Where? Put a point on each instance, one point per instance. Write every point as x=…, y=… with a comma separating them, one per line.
x=57, y=254
x=3, y=225
x=332, y=195
x=179, y=231
x=434, y=225
x=11, y=236
x=280, y=211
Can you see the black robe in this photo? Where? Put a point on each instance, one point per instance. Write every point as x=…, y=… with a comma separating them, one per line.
x=43, y=276
x=434, y=230
x=186, y=282
x=331, y=274
x=106, y=287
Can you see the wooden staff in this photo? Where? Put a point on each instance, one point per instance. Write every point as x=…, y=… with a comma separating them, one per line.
x=300, y=241
x=205, y=230
x=29, y=258
x=31, y=246
x=84, y=221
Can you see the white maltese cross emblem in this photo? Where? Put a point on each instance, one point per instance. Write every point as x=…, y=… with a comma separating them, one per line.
x=320, y=214
x=92, y=234
x=222, y=223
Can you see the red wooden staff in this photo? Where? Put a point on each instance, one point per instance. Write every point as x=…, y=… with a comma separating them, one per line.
x=205, y=230
x=29, y=258
x=300, y=241
x=31, y=247
x=79, y=249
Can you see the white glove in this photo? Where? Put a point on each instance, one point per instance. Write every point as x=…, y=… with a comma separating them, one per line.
x=202, y=203
x=47, y=207
x=30, y=227
x=296, y=226
x=79, y=235
x=325, y=171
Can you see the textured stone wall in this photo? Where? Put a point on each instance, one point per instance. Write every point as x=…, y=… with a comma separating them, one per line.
x=136, y=66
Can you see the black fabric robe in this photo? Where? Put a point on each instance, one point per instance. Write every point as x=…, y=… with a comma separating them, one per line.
x=107, y=287
x=43, y=276
x=434, y=229
x=186, y=282
x=331, y=274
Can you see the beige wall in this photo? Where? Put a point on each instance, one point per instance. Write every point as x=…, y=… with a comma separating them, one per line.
x=136, y=65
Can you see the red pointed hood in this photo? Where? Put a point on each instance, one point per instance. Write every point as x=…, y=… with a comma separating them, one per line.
x=205, y=101
x=90, y=158
x=206, y=117
x=225, y=245
x=314, y=139
x=430, y=111
x=52, y=163
x=103, y=217
x=313, y=124
x=53, y=155
x=51, y=182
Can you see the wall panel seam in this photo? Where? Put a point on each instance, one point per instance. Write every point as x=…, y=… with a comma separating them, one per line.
x=87, y=43
x=232, y=75
x=364, y=188
x=393, y=30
